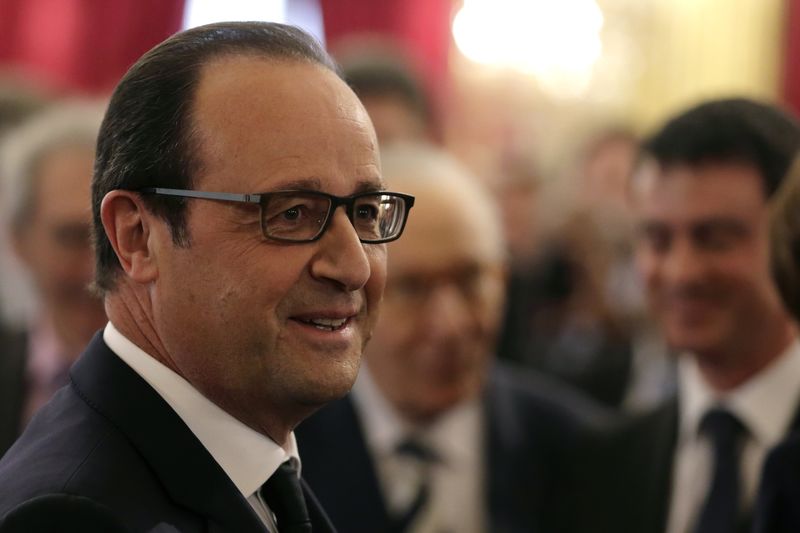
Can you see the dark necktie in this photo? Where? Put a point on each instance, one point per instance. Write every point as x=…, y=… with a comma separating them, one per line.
x=284, y=497
x=412, y=448
x=720, y=512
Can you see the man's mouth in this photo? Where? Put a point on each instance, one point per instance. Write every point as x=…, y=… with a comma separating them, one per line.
x=325, y=324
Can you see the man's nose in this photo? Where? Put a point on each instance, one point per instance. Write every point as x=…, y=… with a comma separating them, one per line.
x=683, y=263
x=341, y=257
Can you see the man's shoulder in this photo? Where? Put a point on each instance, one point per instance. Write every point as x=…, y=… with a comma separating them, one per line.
x=66, y=440
x=73, y=460
x=540, y=399
x=61, y=512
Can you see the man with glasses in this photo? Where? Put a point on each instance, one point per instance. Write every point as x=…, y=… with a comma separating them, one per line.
x=239, y=217
x=436, y=436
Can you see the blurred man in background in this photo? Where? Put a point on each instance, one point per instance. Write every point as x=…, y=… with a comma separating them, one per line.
x=393, y=96
x=436, y=436
x=700, y=200
x=47, y=168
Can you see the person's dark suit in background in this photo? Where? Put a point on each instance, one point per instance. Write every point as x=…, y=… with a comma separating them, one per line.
x=239, y=295
x=700, y=198
x=46, y=167
x=12, y=386
x=778, y=506
x=487, y=440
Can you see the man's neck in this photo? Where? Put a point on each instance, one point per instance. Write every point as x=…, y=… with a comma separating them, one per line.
x=137, y=324
x=725, y=372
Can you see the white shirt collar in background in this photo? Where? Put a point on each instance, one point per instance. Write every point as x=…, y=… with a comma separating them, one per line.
x=765, y=404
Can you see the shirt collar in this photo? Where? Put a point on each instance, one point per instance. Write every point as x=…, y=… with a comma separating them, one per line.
x=452, y=435
x=765, y=403
x=248, y=457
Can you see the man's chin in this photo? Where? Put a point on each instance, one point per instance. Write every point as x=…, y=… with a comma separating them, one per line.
x=318, y=394
x=698, y=342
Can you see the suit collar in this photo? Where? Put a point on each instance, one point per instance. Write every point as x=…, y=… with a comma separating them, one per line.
x=188, y=472
x=341, y=469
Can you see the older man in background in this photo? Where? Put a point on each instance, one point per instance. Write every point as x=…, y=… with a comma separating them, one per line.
x=46, y=164
x=436, y=436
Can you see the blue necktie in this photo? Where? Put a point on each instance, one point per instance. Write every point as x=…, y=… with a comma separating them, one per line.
x=720, y=512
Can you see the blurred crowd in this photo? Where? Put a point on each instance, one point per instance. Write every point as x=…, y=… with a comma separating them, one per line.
x=558, y=347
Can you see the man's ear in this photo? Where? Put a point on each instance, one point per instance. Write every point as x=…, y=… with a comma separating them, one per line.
x=127, y=223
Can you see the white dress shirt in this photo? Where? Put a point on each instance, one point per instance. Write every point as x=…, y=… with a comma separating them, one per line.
x=765, y=405
x=248, y=457
x=457, y=500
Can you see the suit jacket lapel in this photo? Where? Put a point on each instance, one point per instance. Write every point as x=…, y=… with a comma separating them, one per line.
x=12, y=386
x=319, y=520
x=652, y=454
x=188, y=472
x=515, y=477
x=339, y=467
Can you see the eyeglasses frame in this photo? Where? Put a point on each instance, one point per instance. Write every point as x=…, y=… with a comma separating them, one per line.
x=261, y=200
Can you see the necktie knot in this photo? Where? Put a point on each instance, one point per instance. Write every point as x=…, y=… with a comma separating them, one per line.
x=721, y=426
x=415, y=449
x=284, y=497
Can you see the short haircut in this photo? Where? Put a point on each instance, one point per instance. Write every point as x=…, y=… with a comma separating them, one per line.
x=734, y=130
x=24, y=148
x=147, y=138
x=785, y=239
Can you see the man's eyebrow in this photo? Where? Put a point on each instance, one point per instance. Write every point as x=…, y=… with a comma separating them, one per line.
x=312, y=184
x=369, y=186
x=651, y=225
x=722, y=223
x=315, y=184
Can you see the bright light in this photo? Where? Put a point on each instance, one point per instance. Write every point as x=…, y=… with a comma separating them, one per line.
x=557, y=41
x=306, y=14
x=199, y=12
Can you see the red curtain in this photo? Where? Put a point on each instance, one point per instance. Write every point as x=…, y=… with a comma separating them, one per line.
x=82, y=45
x=420, y=27
x=791, y=57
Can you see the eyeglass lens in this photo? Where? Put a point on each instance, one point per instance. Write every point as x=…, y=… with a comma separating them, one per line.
x=299, y=216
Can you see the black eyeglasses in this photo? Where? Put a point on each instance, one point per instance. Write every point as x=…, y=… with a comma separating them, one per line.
x=303, y=216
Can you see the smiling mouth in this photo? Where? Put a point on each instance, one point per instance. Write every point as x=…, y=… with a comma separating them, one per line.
x=325, y=324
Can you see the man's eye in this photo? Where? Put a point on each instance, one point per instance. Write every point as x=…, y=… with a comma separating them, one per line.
x=656, y=239
x=292, y=213
x=720, y=236
x=367, y=212
x=717, y=240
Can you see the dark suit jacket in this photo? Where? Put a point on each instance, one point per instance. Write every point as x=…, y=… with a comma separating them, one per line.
x=531, y=423
x=13, y=356
x=778, y=507
x=623, y=477
x=108, y=453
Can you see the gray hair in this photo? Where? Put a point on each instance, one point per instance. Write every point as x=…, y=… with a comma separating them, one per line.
x=416, y=168
x=23, y=149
